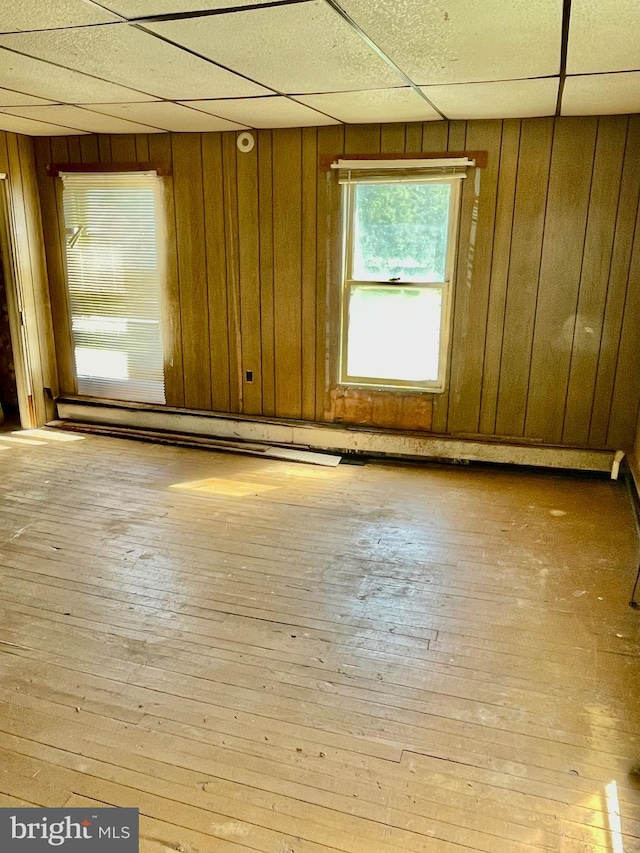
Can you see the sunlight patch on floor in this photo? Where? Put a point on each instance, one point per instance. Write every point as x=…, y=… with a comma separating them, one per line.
x=231, y=488
x=16, y=438
x=613, y=815
x=49, y=434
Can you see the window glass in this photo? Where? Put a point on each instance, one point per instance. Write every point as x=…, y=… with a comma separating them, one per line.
x=400, y=231
x=394, y=333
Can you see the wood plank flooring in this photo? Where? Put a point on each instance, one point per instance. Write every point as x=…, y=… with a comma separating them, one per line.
x=293, y=659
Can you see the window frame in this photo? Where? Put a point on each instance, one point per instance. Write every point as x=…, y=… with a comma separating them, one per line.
x=349, y=283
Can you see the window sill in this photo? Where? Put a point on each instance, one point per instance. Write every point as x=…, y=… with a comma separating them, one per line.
x=394, y=389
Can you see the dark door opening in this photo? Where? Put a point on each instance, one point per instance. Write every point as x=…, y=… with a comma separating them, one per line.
x=9, y=413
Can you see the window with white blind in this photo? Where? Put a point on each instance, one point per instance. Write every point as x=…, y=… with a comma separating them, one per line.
x=114, y=279
x=400, y=224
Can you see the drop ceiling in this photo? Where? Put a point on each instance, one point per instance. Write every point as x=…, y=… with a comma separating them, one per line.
x=128, y=66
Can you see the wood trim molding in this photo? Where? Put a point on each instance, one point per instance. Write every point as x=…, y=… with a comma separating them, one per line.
x=163, y=169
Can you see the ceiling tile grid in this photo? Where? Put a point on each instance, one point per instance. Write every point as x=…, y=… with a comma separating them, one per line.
x=271, y=111
x=125, y=55
x=165, y=115
x=119, y=66
x=464, y=40
x=30, y=127
x=78, y=118
x=601, y=94
x=26, y=15
x=604, y=36
x=292, y=48
x=502, y=99
x=373, y=106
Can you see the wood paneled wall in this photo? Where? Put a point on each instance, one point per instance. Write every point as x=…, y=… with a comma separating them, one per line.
x=29, y=269
x=546, y=319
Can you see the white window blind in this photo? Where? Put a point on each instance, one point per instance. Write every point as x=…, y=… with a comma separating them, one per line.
x=114, y=280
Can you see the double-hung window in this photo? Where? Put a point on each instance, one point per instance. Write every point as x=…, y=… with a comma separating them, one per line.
x=400, y=229
x=114, y=280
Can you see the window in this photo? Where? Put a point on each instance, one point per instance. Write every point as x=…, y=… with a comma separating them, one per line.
x=399, y=254
x=114, y=284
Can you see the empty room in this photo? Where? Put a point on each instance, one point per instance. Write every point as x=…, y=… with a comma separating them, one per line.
x=319, y=435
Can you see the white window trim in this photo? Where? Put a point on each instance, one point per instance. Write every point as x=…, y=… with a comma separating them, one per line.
x=446, y=287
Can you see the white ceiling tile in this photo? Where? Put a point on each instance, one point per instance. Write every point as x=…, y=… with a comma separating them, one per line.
x=145, y=8
x=377, y=105
x=19, y=15
x=20, y=124
x=9, y=98
x=506, y=99
x=604, y=35
x=169, y=116
x=274, y=111
x=76, y=117
x=464, y=40
x=299, y=48
x=124, y=54
x=601, y=94
x=25, y=74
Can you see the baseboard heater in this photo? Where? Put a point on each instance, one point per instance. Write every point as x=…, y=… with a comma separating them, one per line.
x=331, y=438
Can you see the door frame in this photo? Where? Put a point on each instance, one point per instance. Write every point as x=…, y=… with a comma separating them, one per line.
x=17, y=320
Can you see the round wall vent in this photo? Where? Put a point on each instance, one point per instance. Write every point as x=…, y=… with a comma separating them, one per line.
x=245, y=142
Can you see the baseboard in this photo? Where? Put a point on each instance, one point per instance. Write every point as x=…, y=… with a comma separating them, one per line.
x=335, y=438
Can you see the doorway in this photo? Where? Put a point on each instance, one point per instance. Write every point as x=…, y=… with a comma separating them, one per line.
x=9, y=412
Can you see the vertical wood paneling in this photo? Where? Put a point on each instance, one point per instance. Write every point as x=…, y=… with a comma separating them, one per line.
x=123, y=148
x=89, y=149
x=499, y=274
x=522, y=288
x=216, y=272
x=74, y=149
x=393, y=138
x=561, y=264
x=362, y=139
x=231, y=252
x=104, y=148
x=413, y=137
x=267, y=326
x=473, y=281
x=331, y=141
x=308, y=264
x=249, y=278
x=601, y=414
x=626, y=391
x=192, y=265
x=287, y=218
x=142, y=148
x=547, y=289
x=435, y=135
x=596, y=263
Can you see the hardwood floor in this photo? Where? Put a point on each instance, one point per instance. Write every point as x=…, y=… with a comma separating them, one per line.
x=294, y=659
